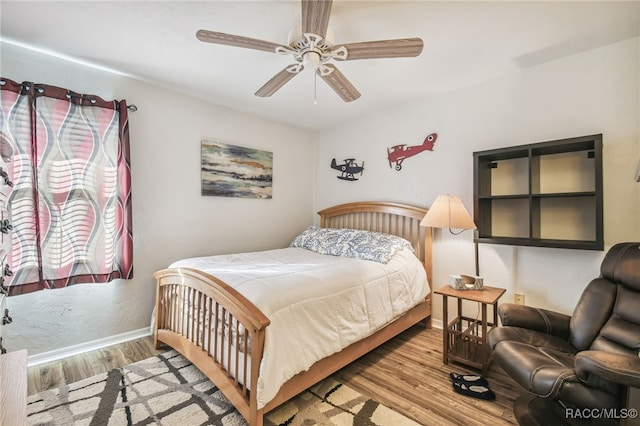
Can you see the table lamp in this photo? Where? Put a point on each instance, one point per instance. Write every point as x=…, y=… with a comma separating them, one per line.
x=449, y=212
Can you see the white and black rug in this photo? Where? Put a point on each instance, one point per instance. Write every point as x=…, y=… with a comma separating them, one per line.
x=168, y=390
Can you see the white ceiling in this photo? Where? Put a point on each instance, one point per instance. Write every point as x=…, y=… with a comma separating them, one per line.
x=464, y=43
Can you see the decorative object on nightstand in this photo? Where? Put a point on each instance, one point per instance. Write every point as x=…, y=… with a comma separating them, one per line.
x=449, y=212
x=466, y=282
x=464, y=338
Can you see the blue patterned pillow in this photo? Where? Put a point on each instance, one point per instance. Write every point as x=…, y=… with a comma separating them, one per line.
x=354, y=243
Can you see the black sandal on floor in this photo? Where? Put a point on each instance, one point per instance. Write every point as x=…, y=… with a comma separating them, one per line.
x=469, y=379
x=475, y=391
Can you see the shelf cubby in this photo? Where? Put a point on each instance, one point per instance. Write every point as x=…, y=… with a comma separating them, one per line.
x=547, y=194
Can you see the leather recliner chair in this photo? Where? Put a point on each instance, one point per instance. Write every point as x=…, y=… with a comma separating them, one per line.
x=583, y=361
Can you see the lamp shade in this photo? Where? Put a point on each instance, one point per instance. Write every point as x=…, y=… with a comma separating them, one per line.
x=448, y=211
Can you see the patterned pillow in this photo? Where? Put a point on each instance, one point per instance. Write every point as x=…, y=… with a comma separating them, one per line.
x=358, y=244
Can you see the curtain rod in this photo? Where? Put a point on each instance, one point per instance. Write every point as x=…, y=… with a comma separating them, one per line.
x=27, y=84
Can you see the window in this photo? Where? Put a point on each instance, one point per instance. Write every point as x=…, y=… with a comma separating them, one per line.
x=70, y=206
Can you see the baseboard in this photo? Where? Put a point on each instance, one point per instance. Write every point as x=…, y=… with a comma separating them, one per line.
x=57, y=354
x=436, y=323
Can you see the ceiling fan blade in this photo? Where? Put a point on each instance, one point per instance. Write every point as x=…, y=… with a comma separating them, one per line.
x=339, y=83
x=238, y=41
x=399, y=48
x=276, y=82
x=315, y=16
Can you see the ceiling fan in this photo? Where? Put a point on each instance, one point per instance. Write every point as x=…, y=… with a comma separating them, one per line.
x=313, y=50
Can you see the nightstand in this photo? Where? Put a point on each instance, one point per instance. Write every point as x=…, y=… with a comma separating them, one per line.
x=465, y=338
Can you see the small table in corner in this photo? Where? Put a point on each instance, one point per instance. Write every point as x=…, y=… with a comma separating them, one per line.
x=465, y=338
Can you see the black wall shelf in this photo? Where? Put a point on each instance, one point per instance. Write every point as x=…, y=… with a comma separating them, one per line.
x=546, y=194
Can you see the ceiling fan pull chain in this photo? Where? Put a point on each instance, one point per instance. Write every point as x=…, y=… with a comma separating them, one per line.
x=315, y=91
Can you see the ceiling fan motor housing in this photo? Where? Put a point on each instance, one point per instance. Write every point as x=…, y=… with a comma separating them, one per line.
x=312, y=51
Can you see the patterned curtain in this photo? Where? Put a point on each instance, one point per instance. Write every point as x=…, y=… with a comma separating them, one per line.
x=70, y=206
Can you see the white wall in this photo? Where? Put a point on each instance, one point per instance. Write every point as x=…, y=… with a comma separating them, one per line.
x=171, y=219
x=588, y=93
x=593, y=92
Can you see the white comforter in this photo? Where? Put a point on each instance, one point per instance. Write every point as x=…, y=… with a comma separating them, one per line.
x=318, y=304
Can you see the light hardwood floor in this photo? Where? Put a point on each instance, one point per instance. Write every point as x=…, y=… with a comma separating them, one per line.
x=406, y=374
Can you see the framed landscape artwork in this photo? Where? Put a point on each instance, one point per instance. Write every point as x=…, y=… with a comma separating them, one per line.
x=235, y=171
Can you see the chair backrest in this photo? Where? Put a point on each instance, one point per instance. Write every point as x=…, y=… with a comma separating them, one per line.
x=607, y=316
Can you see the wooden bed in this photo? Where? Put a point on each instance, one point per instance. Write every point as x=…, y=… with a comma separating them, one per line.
x=190, y=302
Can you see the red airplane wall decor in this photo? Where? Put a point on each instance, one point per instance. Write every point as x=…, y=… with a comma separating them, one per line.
x=398, y=153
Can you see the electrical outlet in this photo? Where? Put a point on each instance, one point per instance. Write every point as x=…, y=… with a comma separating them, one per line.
x=518, y=298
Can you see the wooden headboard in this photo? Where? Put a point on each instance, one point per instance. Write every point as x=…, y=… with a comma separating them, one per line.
x=391, y=218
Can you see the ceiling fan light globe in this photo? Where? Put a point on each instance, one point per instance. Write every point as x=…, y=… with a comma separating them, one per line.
x=311, y=60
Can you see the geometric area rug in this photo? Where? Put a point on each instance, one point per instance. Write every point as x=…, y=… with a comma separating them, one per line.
x=168, y=390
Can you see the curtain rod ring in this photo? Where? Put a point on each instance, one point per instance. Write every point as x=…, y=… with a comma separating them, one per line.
x=132, y=108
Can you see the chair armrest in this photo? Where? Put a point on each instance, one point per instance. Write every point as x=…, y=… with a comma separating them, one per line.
x=623, y=369
x=537, y=319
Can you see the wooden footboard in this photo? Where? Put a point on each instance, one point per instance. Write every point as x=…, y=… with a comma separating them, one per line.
x=189, y=303
x=191, y=307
